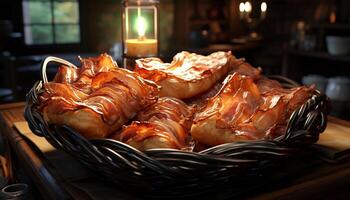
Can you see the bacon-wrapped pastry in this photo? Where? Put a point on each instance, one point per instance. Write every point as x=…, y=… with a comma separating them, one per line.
x=81, y=78
x=188, y=75
x=97, y=99
x=245, y=110
x=165, y=124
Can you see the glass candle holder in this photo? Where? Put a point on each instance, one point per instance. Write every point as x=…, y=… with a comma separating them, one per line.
x=139, y=30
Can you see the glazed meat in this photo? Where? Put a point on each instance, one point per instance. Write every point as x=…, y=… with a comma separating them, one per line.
x=188, y=75
x=247, y=109
x=97, y=99
x=165, y=124
x=81, y=78
x=239, y=66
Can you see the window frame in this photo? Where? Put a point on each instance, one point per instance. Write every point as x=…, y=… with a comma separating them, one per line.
x=58, y=47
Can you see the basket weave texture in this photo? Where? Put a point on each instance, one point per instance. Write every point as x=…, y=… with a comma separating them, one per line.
x=222, y=171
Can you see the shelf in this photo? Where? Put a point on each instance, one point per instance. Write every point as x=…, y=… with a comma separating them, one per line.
x=335, y=26
x=235, y=48
x=320, y=55
x=207, y=21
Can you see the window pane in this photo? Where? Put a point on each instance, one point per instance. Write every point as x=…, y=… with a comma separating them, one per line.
x=38, y=34
x=66, y=12
x=67, y=33
x=36, y=12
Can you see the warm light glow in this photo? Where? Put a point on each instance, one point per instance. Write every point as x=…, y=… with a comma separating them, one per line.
x=141, y=47
x=141, y=26
x=241, y=7
x=247, y=6
x=263, y=7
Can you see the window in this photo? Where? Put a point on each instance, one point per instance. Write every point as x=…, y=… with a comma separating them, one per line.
x=51, y=22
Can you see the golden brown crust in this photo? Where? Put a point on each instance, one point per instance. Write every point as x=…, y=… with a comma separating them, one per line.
x=99, y=101
x=208, y=133
x=84, y=121
x=188, y=74
x=165, y=124
x=99, y=98
x=152, y=143
x=247, y=110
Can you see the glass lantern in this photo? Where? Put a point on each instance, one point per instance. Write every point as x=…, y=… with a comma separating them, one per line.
x=140, y=30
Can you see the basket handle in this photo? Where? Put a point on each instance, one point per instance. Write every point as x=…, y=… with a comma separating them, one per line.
x=49, y=59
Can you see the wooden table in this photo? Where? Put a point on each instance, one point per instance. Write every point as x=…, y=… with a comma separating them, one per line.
x=327, y=181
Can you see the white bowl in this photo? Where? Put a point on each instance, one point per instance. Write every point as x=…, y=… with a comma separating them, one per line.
x=338, y=88
x=338, y=45
x=320, y=82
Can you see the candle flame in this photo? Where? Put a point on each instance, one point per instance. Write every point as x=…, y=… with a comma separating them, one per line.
x=241, y=7
x=263, y=7
x=141, y=26
x=248, y=6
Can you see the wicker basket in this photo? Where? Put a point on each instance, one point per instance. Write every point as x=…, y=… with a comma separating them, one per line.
x=222, y=171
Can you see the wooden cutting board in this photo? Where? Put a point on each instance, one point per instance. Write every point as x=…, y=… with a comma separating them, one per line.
x=40, y=142
x=336, y=136
x=59, y=159
x=334, y=142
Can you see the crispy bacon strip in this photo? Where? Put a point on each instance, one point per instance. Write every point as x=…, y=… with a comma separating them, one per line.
x=188, y=75
x=247, y=110
x=165, y=124
x=66, y=74
x=81, y=78
x=97, y=107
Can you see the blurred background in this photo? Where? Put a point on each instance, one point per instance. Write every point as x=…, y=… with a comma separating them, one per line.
x=308, y=41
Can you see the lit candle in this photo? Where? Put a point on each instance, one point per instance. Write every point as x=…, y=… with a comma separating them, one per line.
x=263, y=8
x=247, y=10
x=141, y=46
x=248, y=7
x=241, y=10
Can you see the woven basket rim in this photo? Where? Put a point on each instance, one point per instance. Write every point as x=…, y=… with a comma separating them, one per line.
x=161, y=168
